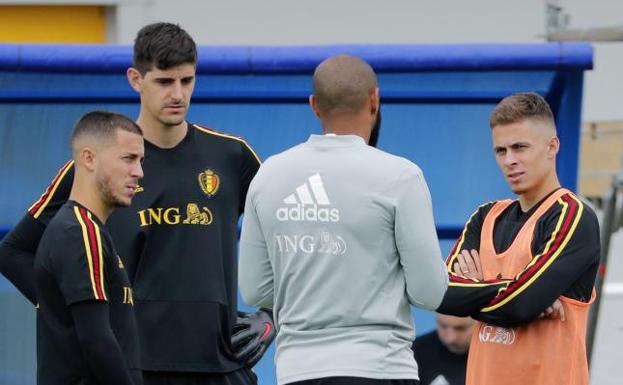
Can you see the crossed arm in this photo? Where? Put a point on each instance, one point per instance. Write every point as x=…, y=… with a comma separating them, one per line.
x=468, y=263
x=564, y=263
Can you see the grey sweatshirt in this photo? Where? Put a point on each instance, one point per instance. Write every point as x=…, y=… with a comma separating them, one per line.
x=338, y=238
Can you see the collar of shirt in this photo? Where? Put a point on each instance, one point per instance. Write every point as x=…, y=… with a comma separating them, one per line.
x=336, y=140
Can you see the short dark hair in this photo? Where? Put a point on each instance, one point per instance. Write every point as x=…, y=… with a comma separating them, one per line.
x=103, y=125
x=163, y=45
x=521, y=106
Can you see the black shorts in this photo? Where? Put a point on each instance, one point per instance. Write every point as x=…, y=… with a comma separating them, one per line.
x=241, y=376
x=354, y=381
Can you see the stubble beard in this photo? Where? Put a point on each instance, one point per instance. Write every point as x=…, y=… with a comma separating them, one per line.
x=106, y=194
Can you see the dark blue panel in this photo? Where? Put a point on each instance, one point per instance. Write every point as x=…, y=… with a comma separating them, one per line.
x=9, y=57
x=34, y=144
x=448, y=57
x=17, y=336
x=303, y=59
x=568, y=121
x=442, y=87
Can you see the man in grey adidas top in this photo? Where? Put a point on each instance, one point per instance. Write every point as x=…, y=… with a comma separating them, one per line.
x=338, y=239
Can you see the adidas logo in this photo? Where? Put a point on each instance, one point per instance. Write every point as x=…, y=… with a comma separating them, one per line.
x=309, y=203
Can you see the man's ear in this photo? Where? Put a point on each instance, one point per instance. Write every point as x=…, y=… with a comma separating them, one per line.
x=553, y=146
x=88, y=158
x=314, y=105
x=135, y=79
x=375, y=101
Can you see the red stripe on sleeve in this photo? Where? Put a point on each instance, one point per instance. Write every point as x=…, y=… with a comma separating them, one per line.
x=95, y=257
x=526, y=275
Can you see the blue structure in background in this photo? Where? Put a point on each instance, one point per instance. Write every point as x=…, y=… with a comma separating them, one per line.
x=436, y=101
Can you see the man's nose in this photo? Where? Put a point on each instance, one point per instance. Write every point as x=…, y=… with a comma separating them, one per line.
x=177, y=91
x=137, y=171
x=510, y=159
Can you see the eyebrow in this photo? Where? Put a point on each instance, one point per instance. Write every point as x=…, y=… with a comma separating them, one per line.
x=514, y=144
x=173, y=77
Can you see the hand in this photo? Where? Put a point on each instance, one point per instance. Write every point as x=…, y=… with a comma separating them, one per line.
x=252, y=335
x=555, y=310
x=468, y=265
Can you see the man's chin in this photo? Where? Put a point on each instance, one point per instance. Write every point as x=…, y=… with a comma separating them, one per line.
x=456, y=350
x=518, y=190
x=173, y=121
x=122, y=202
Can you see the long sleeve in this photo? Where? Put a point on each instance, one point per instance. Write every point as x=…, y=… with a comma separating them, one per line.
x=17, y=255
x=568, y=255
x=565, y=262
x=465, y=296
x=17, y=249
x=250, y=164
x=99, y=345
x=255, y=275
x=417, y=243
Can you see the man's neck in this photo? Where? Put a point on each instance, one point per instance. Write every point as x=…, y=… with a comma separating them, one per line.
x=162, y=135
x=528, y=199
x=359, y=127
x=91, y=200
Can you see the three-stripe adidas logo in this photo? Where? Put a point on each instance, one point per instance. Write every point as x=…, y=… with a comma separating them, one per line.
x=309, y=202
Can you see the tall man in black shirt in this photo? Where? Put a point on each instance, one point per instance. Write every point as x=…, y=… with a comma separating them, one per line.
x=178, y=239
x=86, y=330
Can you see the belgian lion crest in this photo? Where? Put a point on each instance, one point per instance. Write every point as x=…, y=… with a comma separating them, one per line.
x=209, y=182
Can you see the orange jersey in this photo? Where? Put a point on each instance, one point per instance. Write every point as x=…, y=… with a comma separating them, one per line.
x=544, y=351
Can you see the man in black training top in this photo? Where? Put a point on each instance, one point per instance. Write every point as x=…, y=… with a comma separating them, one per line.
x=178, y=239
x=86, y=330
x=441, y=355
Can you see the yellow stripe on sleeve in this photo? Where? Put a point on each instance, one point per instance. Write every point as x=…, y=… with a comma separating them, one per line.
x=100, y=253
x=87, y=247
x=50, y=191
x=457, y=250
x=551, y=260
x=215, y=133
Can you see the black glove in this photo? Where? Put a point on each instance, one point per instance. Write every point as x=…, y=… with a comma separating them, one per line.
x=252, y=335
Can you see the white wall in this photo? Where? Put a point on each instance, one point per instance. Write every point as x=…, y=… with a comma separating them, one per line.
x=348, y=21
x=603, y=86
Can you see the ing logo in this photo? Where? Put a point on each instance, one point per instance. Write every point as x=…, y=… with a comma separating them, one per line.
x=194, y=215
x=326, y=243
x=496, y=335
x=209, y=182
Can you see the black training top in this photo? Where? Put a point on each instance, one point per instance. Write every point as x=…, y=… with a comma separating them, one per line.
x=178, y=241
x=436, y=364
x=76, y=262
x=565, y=258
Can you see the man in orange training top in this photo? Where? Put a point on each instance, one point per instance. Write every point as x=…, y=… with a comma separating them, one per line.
x=525, y=268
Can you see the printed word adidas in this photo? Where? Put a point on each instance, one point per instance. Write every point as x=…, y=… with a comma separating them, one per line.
x=309, y=203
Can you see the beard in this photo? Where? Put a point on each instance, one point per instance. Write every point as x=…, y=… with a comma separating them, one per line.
x=376, y=128
x=107, y=195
